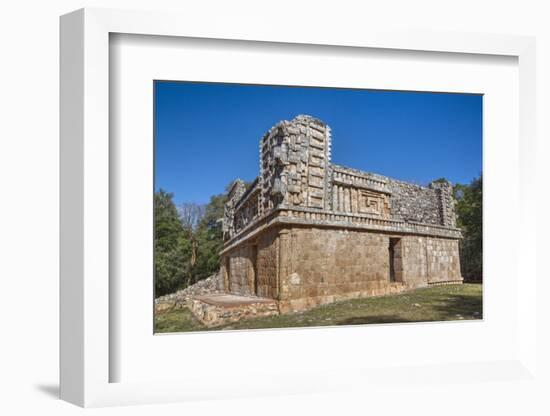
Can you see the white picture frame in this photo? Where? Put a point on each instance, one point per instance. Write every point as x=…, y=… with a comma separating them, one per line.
x=86, y=356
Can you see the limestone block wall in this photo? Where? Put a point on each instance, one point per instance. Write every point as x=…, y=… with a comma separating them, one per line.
x=238, y=269
x=414, y=261
x=443, y=260
x=325, y=265
x=428, y=260
x=267, y=264
x=252, y=268
x=306, y=266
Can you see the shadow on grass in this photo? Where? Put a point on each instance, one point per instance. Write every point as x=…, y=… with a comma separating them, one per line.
x=454, y=306
x=444, y=307
x=380, y=319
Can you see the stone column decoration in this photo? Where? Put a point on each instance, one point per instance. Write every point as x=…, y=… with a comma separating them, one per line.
x=284, y=266
x=295, y=164
x=444, y=190
x=236, y=191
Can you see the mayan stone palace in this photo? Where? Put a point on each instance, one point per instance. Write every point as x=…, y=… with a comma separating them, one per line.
x=308, y=232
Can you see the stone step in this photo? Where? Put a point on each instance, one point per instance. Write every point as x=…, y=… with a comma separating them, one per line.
x=219, y=309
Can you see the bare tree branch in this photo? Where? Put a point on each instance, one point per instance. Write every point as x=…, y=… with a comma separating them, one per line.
x=190, y=214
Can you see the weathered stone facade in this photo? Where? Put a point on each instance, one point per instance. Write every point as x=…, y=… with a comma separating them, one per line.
x=308, y=232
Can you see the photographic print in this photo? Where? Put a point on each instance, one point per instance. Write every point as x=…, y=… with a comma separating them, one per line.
x=289, y=206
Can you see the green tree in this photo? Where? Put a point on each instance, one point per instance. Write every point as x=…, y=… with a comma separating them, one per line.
x=469, y=209
x=209, y=239
x=172, y=246
x=184, y=253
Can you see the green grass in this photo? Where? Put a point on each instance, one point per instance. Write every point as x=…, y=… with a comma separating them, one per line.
x=438, y=303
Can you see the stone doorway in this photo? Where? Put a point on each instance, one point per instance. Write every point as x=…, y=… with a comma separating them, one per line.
x=253, y=259
x=227, y=276
x=395, y=260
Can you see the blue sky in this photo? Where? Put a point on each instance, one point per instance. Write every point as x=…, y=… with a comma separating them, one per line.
x=208, y=134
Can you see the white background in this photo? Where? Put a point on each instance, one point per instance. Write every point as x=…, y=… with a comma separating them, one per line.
x=29, y=208
x=138, y=60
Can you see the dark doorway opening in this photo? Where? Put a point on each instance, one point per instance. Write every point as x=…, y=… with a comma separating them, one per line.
x=228, y=273
x=254, y=258
x=394, y=250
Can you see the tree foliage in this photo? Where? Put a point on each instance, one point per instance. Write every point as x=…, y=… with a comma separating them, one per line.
x=209, y=237
x=172, y=246
x=469, y=207
x=188, y=240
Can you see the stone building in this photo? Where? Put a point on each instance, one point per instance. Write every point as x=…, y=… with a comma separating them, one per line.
x=308, y=232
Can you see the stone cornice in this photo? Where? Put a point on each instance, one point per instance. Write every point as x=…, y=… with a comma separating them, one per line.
x=284, y=215
x=359, y=179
